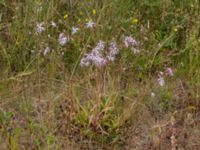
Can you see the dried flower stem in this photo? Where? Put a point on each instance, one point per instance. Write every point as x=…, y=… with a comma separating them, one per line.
x=100, y=85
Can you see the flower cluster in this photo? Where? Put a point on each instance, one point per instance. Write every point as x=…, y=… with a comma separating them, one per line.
x=161, y=80
x=62, y=39
x=40, y=28
x=130, y=42
x=170, y=72
x=113, y=51
x=95, y=57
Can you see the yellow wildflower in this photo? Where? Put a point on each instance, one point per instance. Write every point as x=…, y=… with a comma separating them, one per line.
x=65, y=16
x=94, y=11
x=135, y=20
x=175, y=29
x=86, y=20
x=79, y=20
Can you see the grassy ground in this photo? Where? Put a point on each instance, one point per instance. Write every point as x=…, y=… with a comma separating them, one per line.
x=147, y=98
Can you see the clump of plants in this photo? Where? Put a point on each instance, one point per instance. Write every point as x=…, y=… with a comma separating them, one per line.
x=98, y=116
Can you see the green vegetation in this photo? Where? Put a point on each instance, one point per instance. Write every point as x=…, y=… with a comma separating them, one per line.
x=99, y=74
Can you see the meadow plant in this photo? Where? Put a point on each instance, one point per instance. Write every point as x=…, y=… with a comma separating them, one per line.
x=99, y=58
x=107, y=96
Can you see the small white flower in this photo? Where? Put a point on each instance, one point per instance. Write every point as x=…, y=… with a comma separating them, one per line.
x=161, y=81
x=153, y=94
x=170, y=72
x=74, y=30
x=62, y=39
x=32, y=51
x=40, y=28
x=53, y=24
x=90, y=24
x=46, y=51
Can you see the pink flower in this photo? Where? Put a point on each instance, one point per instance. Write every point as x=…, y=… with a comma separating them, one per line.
x=170, y=72
x=62, y=39
x=161, y=81
x=95, y=56
x=130, y=42
x=113, y=51
x=40, y=28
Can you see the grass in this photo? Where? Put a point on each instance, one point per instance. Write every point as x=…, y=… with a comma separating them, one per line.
x=48, y=101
